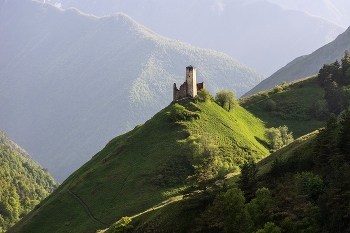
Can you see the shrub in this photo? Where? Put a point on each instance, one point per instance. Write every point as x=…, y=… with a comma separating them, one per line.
x=321, y=109
x=277, y=89
x=270, y=105
x=203, y=95
x=179, y=112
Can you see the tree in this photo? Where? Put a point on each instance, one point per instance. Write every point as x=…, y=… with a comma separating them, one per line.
x=333, y=96
x=279, y=137
x=270, y=105
x=226, y=99
x=274, y=136
x=203, y=154
x=248, y=179
x=238, y=219
x=344, y=135
x=345, y=62
x=321, y=109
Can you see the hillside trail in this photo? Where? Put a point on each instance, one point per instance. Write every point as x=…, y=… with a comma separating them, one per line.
x=86, y=207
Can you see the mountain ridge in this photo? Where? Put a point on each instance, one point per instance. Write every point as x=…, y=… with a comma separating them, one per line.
x=307, y=65
x=78, y=80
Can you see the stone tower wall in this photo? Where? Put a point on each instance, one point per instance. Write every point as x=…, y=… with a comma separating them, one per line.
x=181, y=93
x=191, y=87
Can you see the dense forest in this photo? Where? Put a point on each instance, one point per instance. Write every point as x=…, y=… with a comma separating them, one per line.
x=23, y=183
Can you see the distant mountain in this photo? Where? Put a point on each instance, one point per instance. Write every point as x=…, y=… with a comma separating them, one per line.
x=308, y=65
x=332, y=10
x=70, y=82
x=259, y=34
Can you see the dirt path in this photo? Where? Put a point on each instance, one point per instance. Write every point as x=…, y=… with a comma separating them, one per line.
x=86, y=207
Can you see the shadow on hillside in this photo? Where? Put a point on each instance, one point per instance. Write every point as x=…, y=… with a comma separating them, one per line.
x=262, y=142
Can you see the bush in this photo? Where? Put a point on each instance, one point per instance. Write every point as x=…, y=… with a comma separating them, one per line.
x=270, y=105
x=277, y=89
x=321, y=110
x=203, y=95
x=179, y=112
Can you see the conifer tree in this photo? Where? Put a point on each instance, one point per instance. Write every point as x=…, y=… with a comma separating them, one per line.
x=248, y=179
x=345, y=62
x=344, y=135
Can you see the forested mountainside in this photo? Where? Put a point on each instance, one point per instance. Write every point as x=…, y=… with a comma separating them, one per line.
x=150, y=164
x=307, y=65
x=260, y=34
x=70, y=81
x=23, y=184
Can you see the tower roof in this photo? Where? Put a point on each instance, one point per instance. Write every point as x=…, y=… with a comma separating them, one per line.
x=189, y=66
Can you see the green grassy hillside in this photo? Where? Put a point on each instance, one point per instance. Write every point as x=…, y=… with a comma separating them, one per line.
x=145, y=166
x=294, y=105
x=71, y=82
x=303, y=187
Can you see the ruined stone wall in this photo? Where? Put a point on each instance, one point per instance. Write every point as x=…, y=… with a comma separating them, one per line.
x=200, y=86
x=177, y=94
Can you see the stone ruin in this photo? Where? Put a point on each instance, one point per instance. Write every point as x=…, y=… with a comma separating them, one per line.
x=190, y=87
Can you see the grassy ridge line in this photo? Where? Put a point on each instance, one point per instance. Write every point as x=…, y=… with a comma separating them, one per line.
x=294, y=106
x=122, y=179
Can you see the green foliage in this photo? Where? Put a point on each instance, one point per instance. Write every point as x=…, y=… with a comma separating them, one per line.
x=22, y=183
x=295, y=106
x=204, y=95
x=237, y=218
x=180, y=113
x=278, y=137
x=226, y=99
x=122, y=226
x=270, y=105
x=310, y=185
x=248, y=179
x=321, y=109
x=277, y=89
x=203, y=155
x=270, y=227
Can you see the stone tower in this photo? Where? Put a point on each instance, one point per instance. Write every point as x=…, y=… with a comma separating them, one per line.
x=191, y=87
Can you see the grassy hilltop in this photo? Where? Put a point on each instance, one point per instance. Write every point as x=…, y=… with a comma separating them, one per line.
x=144, y=167
x=149, y=165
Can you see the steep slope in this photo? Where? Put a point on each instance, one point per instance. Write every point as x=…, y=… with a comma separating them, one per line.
x=22, y=183
x=72, y=81
x=294, y=105
x=145, y=166
x=307, y=65
x=259, y=34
